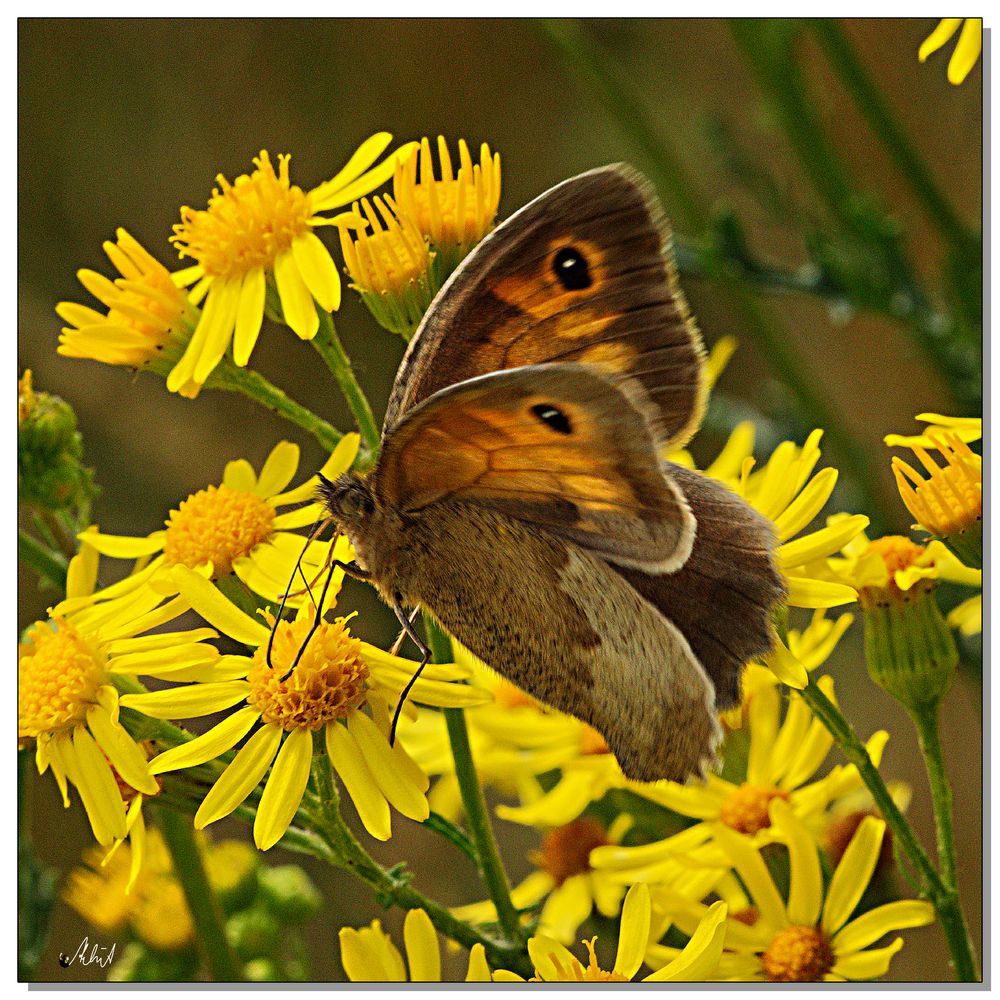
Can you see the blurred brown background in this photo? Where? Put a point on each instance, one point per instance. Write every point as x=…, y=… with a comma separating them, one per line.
x=122, y=122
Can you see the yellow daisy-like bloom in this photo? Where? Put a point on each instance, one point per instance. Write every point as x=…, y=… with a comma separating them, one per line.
x=697, y=961
x=390, y=267
x=456, y=211
x=235, y=527
x=335, y=678
x=564, y=875
x=111, y=899
x=891, y=566
x=68, y=704
x=967, y=51
x=369, y=956
x=950, y=500
x=261, y=228
x=783, y=756
x=808, y=936
x=149, y=319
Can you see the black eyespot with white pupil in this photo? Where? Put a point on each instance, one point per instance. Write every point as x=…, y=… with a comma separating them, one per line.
x=571, y=269
x=552, y=417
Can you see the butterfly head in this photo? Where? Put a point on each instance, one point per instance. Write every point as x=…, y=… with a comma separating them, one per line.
x=348, y=501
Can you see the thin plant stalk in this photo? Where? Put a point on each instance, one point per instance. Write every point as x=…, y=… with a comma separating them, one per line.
x=476, y=814
x=205, y=910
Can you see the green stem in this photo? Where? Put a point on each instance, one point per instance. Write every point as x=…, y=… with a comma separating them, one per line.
x=254, y=386
x=330, y=349
x=942, y=896
x=930, y=746
x=887, y=129
x=393, y=886
x=205, y=910
x=47, y=564
x=476, y=814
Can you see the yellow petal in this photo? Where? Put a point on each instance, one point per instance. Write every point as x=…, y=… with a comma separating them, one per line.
x=122, y=546
x=249, y=315
x=875, y=923
x=806, y=883
x=209, y=745
x=216, y=609
x=362, y=158
x=89, y=770
x=946, y=27
x=121, y=750
x=188, y=702
x=866, y=964
x=479, y=970
x=279, y=468
x=296, y=302
x=545, y=952
x=241, y=777
x=318, y=270
x=239, y=475
x=747, y=861
x=81, y=575
x=700, y=958
x=407, y=797
x=349, y=763
x=808, y=593
x=284, y=789
x=821, y=544
x=785, y=666
x=634, y=934
x=853, y=873
x=807, y=505
x=422, y=952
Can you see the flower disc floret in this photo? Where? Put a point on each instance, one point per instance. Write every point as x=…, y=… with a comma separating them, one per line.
x=566, y=849
x=60, y=672
x=248, y=223
x=218, y=524
x=746, y=808
x=329, y=681
x=798, y=955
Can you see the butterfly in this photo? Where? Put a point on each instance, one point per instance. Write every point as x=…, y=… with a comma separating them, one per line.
x=520, y=498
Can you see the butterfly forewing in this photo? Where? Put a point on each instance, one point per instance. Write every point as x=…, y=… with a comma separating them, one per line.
x=583, y=273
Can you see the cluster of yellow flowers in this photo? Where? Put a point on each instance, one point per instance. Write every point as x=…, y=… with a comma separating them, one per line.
x=689, y=870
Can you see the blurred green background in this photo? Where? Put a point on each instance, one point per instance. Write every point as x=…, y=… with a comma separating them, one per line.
x=122, y=122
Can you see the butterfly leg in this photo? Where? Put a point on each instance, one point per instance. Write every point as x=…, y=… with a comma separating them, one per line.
x=425, y=655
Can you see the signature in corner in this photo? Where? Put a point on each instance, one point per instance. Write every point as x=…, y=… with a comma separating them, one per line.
x=89, y=954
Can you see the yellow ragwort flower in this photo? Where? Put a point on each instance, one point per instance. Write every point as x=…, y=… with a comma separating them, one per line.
x=235, y=527
x=697, y=961
x=68, y=704
x=782, y=757
x=454, y=211
x=807, y=936
x=258, y=229
x=336, y=676
x=149, y=320
x=967, y=51
x=369, y=956
x=949, y=501
x=390, y=267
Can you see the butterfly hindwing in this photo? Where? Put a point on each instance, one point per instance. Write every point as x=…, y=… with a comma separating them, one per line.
x=558, y=447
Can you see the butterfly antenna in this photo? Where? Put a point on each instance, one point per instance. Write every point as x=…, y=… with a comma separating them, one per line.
x=317, y=529
x=334, y=563
x=425, y=656
x=394, y=649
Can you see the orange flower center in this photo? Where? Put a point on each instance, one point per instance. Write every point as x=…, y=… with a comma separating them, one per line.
x=247, y=224
x=897, y=552
x=592, y=742
x=59, y=672
x=328, y=682
x=798, y=955
x=746, y=808
x=566, y=849
x=217, y=524
x=391, y=256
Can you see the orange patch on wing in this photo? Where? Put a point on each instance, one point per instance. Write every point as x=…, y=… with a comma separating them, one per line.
x=614, y=355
